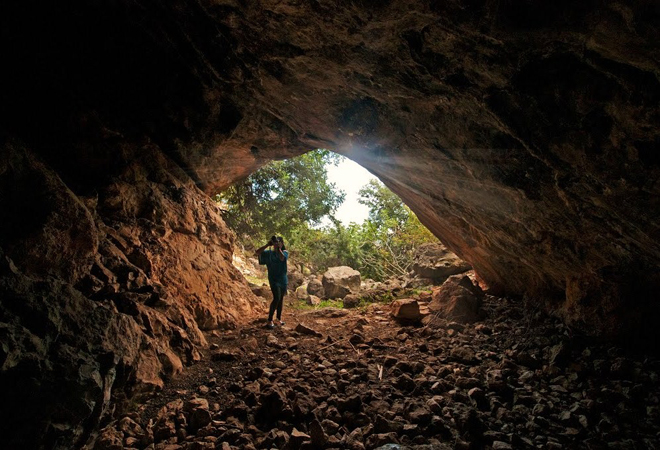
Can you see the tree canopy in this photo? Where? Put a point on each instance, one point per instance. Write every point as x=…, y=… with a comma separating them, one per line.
x=282, y=197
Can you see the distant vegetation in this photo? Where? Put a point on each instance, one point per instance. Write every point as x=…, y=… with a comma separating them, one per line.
x=291, y=197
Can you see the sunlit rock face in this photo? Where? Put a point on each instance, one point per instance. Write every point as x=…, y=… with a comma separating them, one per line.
x=524, y=134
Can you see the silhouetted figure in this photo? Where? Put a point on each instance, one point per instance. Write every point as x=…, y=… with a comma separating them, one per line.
x=275, y=261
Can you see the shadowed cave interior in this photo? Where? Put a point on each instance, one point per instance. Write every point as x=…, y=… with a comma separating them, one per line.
x=525, y=136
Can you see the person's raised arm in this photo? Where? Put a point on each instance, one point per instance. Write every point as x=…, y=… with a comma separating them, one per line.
x=261, y=249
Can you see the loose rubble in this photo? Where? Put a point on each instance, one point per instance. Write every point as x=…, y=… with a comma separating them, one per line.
x=360, y=379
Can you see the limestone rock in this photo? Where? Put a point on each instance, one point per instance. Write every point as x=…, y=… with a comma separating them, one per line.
x=301, y=292
x=315, y=287
x=434, y=261
x=351, y=301
x=340, y=281
x=457, y=299
x=313, y=300
x=262, y=291
x=368, y=284
x=295, y=277
x=406, y=309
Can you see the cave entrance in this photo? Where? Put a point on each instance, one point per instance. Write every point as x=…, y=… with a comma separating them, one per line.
x=332, y=212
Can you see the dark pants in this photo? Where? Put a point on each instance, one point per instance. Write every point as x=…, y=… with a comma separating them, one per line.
x=278, y=299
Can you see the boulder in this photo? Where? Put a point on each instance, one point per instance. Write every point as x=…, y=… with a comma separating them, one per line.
x=406, y=309
x=296, y=278
x=418, y=282
x=340, y=281
x=457, y=299
x=301, y=292
x=369, y=284
x=352, y=301
x=261, y=291
x=315, y=287
x=313, y=300
x=392, y=283
x=435, y=261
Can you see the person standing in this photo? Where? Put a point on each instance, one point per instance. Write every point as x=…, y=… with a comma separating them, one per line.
x=275, y=261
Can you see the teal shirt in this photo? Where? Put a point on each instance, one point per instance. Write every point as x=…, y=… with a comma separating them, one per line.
x=276, y=268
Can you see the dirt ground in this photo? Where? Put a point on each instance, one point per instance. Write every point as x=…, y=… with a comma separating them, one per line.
x=354, y=379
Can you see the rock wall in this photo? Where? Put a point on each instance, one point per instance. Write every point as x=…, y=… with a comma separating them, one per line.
x=524, y=134
x=104, y=296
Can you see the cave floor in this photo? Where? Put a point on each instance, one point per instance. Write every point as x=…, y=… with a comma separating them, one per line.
x=358, y=379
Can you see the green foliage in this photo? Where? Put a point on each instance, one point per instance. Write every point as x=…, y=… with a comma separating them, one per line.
x=330, y=246
x=281, y=198
x=391, y=235
x=382, y=246
x=302, y=304
x=290, y=197
x=385, y=208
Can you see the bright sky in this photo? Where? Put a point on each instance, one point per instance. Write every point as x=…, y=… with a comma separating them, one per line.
x=349, y=177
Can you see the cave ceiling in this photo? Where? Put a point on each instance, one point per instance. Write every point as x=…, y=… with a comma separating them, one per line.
x=523, y=134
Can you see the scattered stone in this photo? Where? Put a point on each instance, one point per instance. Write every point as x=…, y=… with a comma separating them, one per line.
x=250, y=344
x=301, y=292
x=110, y=438
x=463, y=354
x=559, y=354
x=356, y=339
x=272, y=341
x=488, y=385
x=351, y=301
x=315, y=287
x=434, y=261
x=199, y=418
x=313, y=300
x=130, y=427
x=457, y=299
x=481, y=328
x=262, y=291
x=297, y=438
x=224, y=355
x=340, y=281
x=317, y=433
x=193, y=404
x=406, y=309
x=303, y=329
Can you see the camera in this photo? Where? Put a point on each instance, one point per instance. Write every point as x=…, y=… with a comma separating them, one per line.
x=273, y=239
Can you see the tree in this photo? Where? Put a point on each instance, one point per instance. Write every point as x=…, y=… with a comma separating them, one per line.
x=391, y=234
x=291, y=197
x=385, y=208
x=282, y=197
